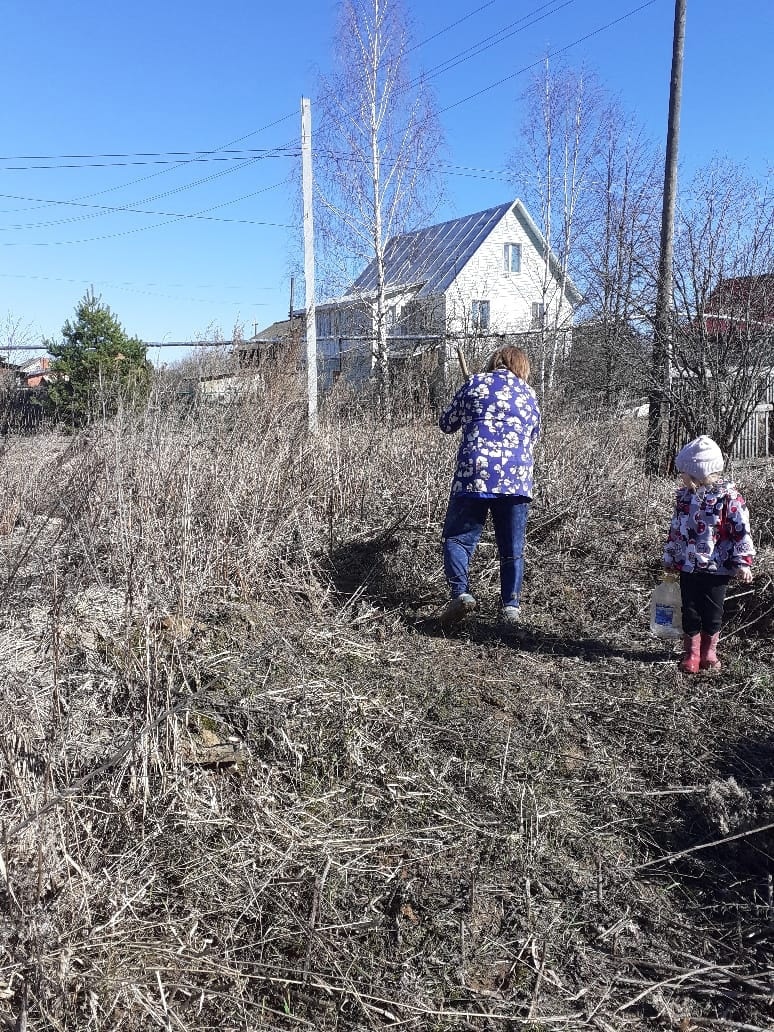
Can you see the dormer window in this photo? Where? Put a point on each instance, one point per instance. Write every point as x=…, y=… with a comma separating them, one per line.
x=512, y=259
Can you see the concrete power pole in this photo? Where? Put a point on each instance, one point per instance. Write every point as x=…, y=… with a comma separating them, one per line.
x=311, y=329
x=661, y=370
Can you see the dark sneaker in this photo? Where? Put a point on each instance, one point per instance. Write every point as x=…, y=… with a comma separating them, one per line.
x=456, y=611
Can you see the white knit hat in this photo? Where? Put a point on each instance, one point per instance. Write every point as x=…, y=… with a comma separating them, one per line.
x=699, y=458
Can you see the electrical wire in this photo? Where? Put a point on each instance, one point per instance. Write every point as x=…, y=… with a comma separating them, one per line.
x=163, y=171
x=553, y=53
x=132, y=285
x=172, y=219
x=286, y=152
x=227, y=153
x=475, y=49
x=521, y=71
x=247, y=157
x=442, y=169
x=140, y=229
x=453, y=25
x=159, y=158
x=105, y=209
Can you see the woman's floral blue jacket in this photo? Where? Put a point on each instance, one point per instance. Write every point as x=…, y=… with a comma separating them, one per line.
x=710, y=530
x=500, y=421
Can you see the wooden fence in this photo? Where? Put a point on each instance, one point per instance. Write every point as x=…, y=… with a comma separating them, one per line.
x=25, y=410
x=755, y=442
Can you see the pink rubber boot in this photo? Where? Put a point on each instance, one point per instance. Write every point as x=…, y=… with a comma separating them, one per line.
x=691, y=656
x=708, y=658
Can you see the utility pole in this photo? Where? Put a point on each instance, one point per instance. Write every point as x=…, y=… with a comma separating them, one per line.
x=661, y=369
x=311, y=329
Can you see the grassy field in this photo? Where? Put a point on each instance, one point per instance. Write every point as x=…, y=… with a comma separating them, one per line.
x=247, y=783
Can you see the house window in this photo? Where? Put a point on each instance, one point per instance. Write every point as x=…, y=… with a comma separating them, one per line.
x=416, y=316
x=512, y=258
x=538, y=315
x=479, y=315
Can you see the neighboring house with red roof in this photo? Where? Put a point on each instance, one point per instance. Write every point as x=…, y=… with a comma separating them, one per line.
x=35, y=372
x=729, y=354
x=741, y=305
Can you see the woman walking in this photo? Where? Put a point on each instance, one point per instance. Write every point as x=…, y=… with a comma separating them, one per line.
x=499, y=417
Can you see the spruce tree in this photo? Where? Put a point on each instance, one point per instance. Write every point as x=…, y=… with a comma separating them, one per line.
x=96, y=365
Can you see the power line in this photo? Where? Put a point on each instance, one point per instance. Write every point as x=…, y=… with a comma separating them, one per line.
x=553, y=53
x=146, y=200
x=228, y=153
x=139, y=154
x=533, y=64
x=442, y=167
x=465, y=171
x=191, y=343
x=12, y=348
x=263, y=128
x=520, y=25
x=287, y=151
x=453, y=25
x=138, y=229
x=182, y=164
x=125, y=209
x=128, y=284
x=163, y=171
x=161, y=158
x=227, y=148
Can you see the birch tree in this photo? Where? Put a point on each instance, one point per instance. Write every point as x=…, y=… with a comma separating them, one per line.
x=14, y=334
x=377, y=140
x=618, y=252
x=16, y=338
x=561, y=139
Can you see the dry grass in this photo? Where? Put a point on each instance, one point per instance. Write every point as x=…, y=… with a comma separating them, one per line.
x=246, y=783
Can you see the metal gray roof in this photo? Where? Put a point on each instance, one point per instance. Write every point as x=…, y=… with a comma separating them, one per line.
x=432, y=256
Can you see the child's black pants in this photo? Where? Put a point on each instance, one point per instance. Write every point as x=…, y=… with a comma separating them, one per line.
x=703, y=596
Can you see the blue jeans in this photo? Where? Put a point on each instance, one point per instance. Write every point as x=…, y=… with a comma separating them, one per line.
x=465, y=519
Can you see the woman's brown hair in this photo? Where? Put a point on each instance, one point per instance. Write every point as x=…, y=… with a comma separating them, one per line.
x=511, y=358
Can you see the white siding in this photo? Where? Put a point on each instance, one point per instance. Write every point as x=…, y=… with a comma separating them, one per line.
x=510, y=295
x=344, y=347
x=346, y=328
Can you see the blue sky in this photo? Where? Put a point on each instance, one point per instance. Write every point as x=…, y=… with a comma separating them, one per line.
x=213, y=243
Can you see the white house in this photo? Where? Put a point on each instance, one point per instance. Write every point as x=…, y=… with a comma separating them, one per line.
x=486, y=274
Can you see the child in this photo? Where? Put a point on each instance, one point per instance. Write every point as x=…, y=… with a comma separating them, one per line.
x=709, y=543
